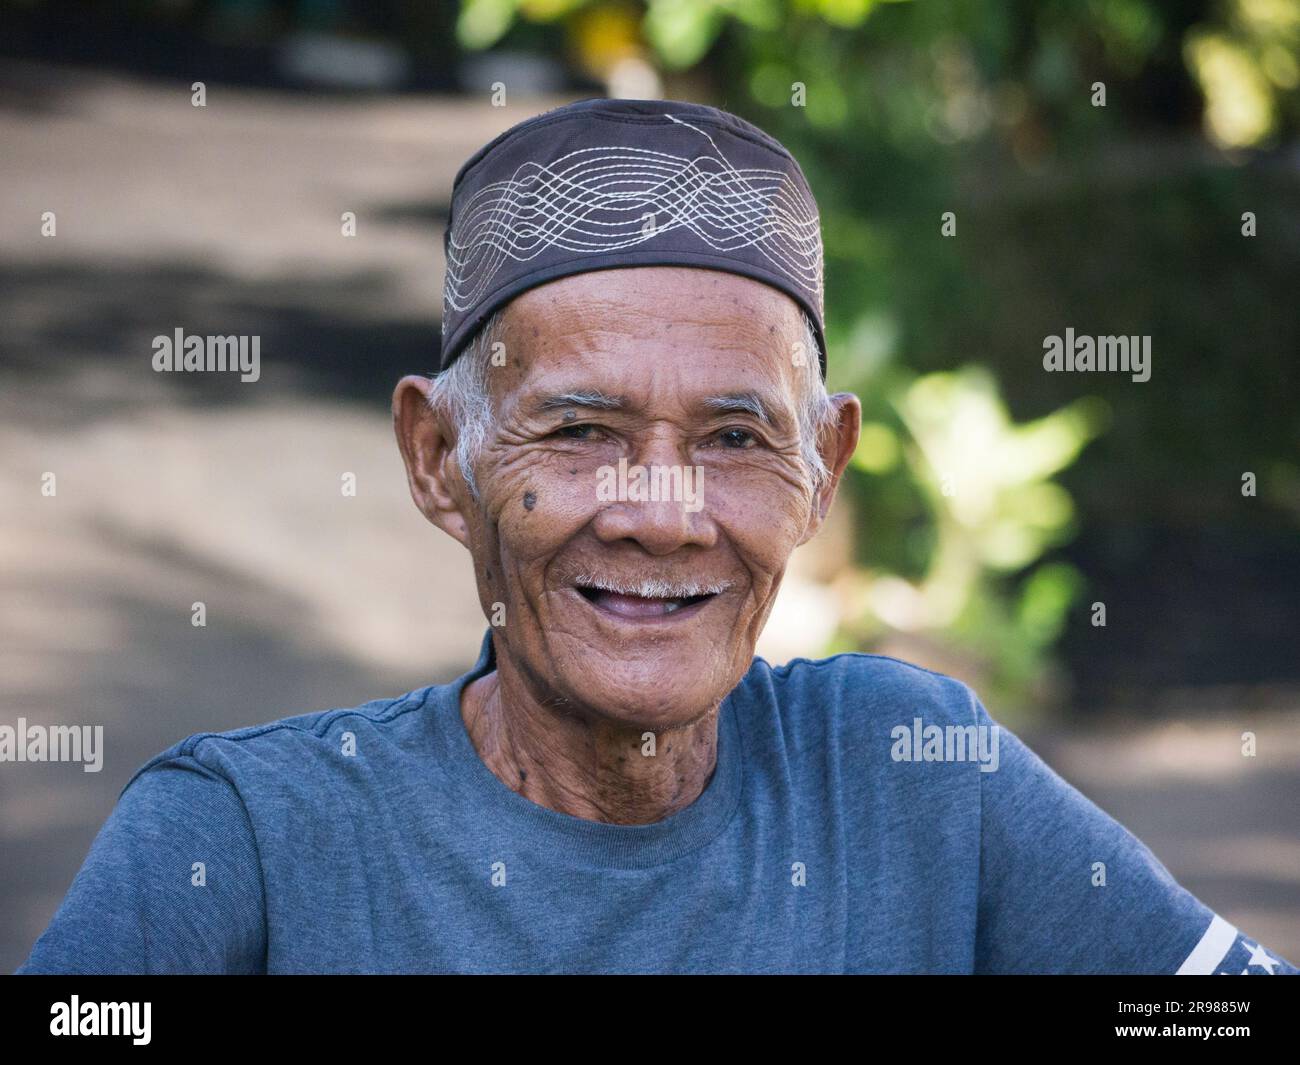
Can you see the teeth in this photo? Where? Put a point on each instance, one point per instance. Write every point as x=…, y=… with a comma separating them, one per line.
x=671, y=605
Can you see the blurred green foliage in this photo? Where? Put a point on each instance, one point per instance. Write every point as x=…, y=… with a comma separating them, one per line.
x=1120, y=216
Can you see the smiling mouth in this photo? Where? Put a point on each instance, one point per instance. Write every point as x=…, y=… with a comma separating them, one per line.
x=636, y=607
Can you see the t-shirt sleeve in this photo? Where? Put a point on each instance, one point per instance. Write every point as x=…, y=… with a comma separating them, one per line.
x=1065, y=888
x=172, y=884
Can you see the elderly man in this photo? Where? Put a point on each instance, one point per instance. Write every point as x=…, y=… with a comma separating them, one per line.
x=630, y=434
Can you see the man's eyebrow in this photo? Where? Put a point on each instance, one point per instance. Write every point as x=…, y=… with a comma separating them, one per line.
x=593, y=399
x=742, y=403
x=590, y=398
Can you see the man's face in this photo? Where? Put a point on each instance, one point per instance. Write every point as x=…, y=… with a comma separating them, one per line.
x=663, y=368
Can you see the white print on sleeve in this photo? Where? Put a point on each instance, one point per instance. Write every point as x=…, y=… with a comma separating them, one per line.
x=1223, y=951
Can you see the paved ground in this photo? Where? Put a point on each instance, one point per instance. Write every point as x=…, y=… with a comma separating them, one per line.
x=172, y=490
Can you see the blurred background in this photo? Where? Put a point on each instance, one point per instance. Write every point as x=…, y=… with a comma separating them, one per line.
x=1112, y=166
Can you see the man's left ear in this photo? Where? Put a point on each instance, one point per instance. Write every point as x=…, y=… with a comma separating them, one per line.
x=836, y=446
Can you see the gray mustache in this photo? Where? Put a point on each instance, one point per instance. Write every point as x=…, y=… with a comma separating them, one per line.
x=652, y=587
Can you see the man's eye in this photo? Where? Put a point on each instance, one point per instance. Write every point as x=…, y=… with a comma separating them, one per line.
x=735, y=438
x=576, y=432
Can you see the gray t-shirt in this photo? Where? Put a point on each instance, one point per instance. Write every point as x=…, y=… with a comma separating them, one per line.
x=865, y=815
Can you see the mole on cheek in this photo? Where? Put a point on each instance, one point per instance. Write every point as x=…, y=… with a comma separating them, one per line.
x=530, y=500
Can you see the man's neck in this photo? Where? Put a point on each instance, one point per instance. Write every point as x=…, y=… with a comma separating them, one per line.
x=583, y=764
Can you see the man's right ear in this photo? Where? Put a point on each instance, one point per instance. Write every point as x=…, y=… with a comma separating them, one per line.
x=430, y=456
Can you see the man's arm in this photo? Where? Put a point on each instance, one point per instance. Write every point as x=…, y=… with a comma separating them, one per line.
x=1065, y=888
x=172, y=884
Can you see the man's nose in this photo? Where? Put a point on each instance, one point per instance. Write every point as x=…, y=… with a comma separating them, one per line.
x=658, y=466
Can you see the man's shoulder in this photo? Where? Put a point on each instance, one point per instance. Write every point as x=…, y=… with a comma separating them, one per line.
x=852, y=701
x=857, y=684
x=290, y=743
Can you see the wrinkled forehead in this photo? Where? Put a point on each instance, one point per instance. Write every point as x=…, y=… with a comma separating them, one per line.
x=660, y=337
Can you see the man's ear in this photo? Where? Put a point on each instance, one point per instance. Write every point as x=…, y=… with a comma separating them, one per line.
x=428, y=449
x=836, y=446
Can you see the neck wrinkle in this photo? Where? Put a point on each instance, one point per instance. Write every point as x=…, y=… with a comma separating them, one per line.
x=594, y=770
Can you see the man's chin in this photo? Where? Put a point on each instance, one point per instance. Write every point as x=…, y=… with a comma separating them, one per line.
x=663, y=670
x=641, y=696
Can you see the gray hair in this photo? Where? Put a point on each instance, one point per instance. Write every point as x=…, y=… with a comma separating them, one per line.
x=462, y=391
